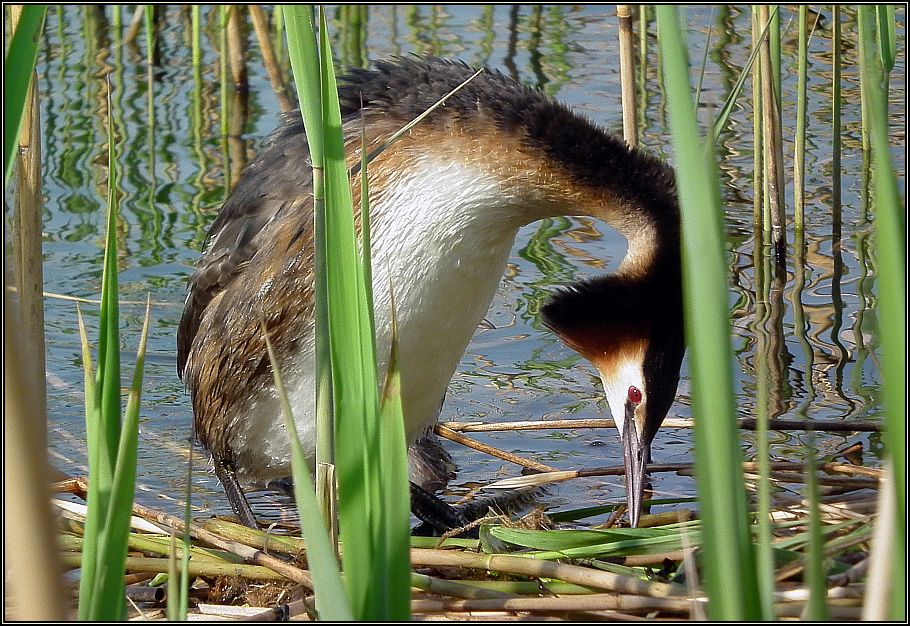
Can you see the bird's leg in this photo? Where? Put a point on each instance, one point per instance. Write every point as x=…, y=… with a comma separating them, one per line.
x=225, y=472
x=437, y=516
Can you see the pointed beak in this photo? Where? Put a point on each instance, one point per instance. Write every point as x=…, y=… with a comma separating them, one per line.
x=636, y=454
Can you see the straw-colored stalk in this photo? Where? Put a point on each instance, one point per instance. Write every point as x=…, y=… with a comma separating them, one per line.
x=235, y=48
x=627, y=74
x=799, y=156
x=576, y=574
x=35, y=586
x=27, y=250
x=132, y=31
x=773, y=145
x=451, y=435
x=758, y=178
x=744, y=423
x=269, y=61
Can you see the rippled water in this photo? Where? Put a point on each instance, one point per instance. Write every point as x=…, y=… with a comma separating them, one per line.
x=174, y=179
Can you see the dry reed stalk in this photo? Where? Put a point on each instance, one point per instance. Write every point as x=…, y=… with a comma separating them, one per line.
x=235, y=49
x=758, y=178
x=132, y=579
x=774, y=154
x=835, y=613
x=143, y=593
x=545, y=569
x=627, y=74
x=670, y=422
x=60, y=296
x=135, y=22
x=246, y=552
x=281, y=613
x=592, y=602
x=27, y=249
x=261, y=26
x=197, y=568
x=451, y=435
x=29, y=535
x=30, y=562
x=831, y=481
x=795, y=567
x=682, y=469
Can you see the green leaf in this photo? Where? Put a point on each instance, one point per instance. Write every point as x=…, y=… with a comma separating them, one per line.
x=18, y=68
x=729, y=556
x=331, y=600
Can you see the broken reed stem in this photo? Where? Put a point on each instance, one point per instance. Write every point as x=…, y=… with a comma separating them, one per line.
x=627, y=74
x=670, y=422
x=451, y=435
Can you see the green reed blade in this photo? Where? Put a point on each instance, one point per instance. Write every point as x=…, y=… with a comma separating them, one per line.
x=365, y=227
x=396, y=493
x=107, y=603
x=886, y=25
x=92, y=522
x=704, y=60
x=331, y=600
x=108, y=374
x=172, y=610
x=816, y=608
x=361, y=466
x=891, y=242
x=353, y=377
x=304, y=56
x=728, y=553
x=774, y=45
x=104, y=420
x=184, y=603
x=18, y=68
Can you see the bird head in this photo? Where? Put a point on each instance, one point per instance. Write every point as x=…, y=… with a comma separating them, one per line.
x=632, y=334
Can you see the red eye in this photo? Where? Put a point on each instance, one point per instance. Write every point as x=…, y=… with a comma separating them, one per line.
x=634, y=394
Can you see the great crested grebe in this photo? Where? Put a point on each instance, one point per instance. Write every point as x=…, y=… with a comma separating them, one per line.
x=447, y=201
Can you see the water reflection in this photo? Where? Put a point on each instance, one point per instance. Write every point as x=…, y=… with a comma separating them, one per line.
x=806, y=337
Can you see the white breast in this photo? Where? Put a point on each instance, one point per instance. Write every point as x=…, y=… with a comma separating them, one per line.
x=443, y=232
